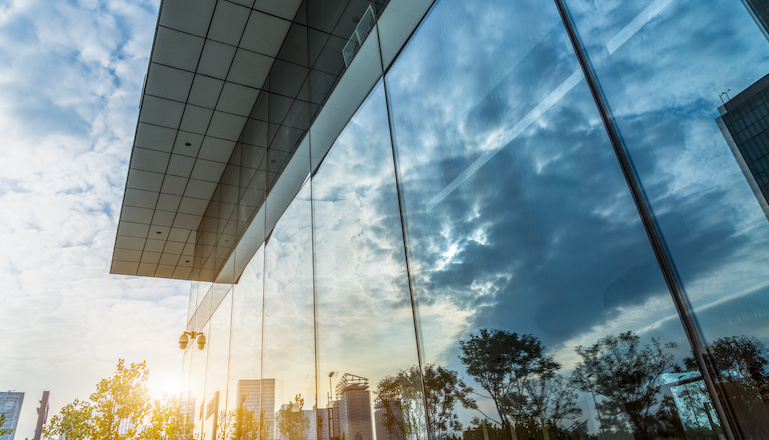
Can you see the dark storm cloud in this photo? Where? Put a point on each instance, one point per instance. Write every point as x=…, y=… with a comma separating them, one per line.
x=544, y=237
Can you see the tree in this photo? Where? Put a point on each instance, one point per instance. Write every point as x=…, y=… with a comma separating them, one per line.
x=4, y=431
x=292, y=423
x=400, y=398
x=516, y=374
x=74, y=422
x=120, y=409
x=739, y=364
x=166, y=422
x=627, y=374
x=121, y=403
x=240, y=423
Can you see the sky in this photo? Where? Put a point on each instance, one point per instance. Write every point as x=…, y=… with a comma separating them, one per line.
x=70, y=80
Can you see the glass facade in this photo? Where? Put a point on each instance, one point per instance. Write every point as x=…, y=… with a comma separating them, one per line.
x=532, y=228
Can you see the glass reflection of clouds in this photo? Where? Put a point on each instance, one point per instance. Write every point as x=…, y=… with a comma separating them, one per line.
x=523, y=299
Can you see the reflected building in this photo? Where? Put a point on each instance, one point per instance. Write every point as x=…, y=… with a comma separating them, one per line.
x=258, y=397
x=382, y=186
x=744, y=122
x=10, y=407
x=352, y=409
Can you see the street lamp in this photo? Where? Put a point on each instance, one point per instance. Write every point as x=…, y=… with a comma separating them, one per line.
x=186, y=336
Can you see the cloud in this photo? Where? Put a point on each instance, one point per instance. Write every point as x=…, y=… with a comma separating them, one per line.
x=70, y=83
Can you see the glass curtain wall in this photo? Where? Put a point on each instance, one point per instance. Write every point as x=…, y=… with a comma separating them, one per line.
x=665, y=68
x=467, y=261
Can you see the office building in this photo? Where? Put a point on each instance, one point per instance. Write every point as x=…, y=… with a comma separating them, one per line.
x=10, y=407
x=257, y=396
x=744, y=122
x=399, y=188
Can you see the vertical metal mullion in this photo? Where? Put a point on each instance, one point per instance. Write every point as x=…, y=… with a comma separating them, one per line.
x=316, y=357
x=401, y=216
x=661, y=251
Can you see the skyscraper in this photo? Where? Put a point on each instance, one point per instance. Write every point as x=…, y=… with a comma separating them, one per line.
x=257, y=396
x=744, y=122
x=10, y=407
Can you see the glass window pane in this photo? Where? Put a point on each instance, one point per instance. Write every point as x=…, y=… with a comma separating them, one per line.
x=214, y=416
x=535, y=281
x=288, y=370
x=685, y=85
x=244, y=383
x=367, y=352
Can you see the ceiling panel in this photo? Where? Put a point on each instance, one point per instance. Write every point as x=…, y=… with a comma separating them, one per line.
x=187, y=143
x=205, y=91
x=168, y=82
x=216, y=149
x=226, y=126
x=174, y=185
x=162, y=112
x=126, y=242
x=196, y=119
x=140, y=198
x=135, y=214
x=208, y=170
x=145, y=180
x=149, y=160
x=163, y=218
x=264, y=33
x=285, y=8
x=216, y=59
x=249, y=68
x=228, y=23
x=177, y=49
x=191, y=16
x=169, y=202
x=133, y=229
x=180, y=165
x=154, y=137
x=237, y=99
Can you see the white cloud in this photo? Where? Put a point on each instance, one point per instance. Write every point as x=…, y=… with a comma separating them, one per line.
x=70, y=80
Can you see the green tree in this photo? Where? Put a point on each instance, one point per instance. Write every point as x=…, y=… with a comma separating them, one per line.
x=74, y=421
x=627, y=374
x=4, y=431
x=240, y=423
x=513, y=369
x=121, y=402
x=121, y=409
x=292, y=422
x=740, y=364
x=166, y=422
x=400, y=398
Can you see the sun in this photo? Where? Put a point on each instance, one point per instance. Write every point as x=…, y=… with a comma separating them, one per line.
x=161, y=386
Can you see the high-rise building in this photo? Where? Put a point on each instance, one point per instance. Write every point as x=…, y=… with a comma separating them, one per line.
x=759, y=10
x=258, y=397
x=353, y=408
x=432, y=194
x=10, y=407
x=744, y=122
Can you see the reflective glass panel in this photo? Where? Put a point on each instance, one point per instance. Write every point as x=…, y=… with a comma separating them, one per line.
x=217, y=340
x=542, y=313
x=367, y=352
x=684, y=82
x=244, y=384
x=288, y=370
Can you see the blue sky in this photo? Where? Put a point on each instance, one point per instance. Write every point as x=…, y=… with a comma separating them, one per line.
x=70, y=80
